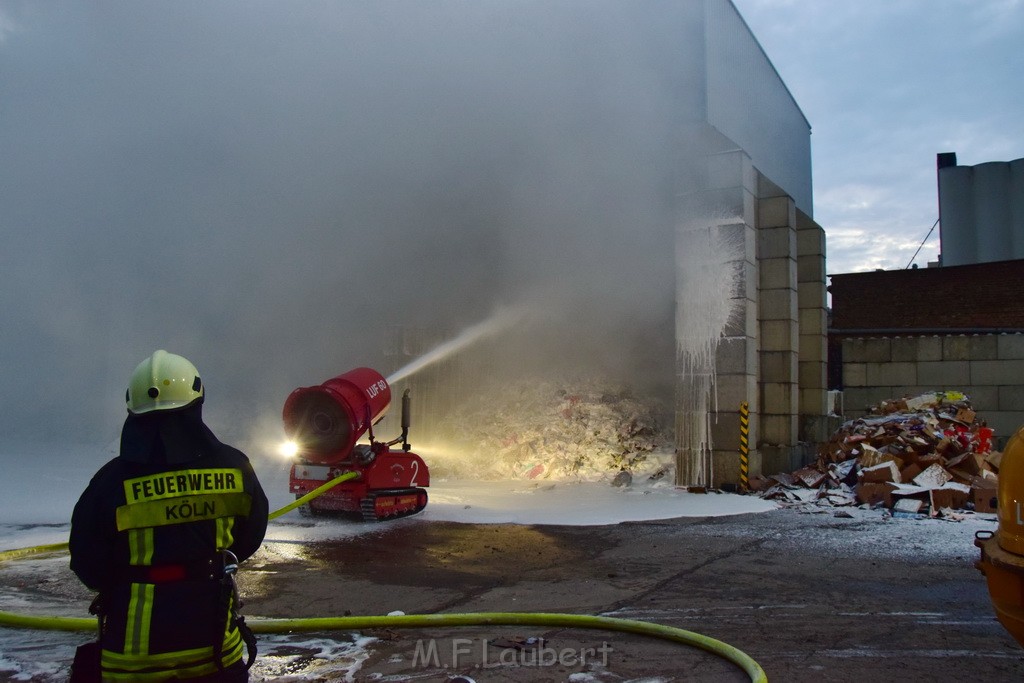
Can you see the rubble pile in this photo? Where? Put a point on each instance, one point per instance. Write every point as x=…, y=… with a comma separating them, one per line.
x=557, y=430
x=927, y=454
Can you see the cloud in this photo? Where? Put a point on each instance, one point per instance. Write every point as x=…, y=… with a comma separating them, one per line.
x=886, y=87
x=7, y=25
x=872, y=246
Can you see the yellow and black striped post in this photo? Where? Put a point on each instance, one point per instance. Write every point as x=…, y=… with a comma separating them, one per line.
x=744, y=446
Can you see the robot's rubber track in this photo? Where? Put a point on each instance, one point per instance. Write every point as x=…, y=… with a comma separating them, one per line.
x=369, y=508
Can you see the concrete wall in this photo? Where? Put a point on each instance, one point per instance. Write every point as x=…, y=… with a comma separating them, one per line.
x=988, y=368
x=757, y=189
x=792, y=320
x=733, y=181
x=812, y=307
x=773, y=354
x=779, y=324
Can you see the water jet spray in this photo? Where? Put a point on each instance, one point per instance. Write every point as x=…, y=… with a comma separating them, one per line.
x=501, y=320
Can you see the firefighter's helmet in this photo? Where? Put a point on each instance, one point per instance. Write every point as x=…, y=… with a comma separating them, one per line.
x=164, y=381
x=1011, y=495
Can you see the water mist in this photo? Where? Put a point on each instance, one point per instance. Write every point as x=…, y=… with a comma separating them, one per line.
x=503, y=319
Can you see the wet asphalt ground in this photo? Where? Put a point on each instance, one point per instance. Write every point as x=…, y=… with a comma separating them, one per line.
x=810, y=597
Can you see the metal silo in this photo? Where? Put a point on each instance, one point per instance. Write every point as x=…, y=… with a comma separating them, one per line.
x=981, y=210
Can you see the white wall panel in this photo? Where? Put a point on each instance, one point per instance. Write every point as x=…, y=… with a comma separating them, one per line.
x=750, y=104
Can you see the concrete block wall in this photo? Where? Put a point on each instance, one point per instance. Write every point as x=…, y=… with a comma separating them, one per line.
x=772, y=355
x=779, y=327
x=988, y=368
x=733, y=182
x=812, y=303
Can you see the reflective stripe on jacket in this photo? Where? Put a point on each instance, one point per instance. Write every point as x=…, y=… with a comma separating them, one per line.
x=137, y=517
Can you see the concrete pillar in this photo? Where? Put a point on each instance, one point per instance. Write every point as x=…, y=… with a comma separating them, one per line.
x=780, y=332
x=812, y=302
x=729, y=202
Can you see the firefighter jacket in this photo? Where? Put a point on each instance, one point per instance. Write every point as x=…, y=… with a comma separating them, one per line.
x=148, y=535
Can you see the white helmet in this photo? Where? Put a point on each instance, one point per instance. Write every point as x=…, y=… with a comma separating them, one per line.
x=164, y=381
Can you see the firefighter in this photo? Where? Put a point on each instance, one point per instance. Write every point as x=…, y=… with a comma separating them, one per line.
x=158, y=532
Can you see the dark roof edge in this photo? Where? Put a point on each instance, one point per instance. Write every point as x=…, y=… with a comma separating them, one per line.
x=922, y=331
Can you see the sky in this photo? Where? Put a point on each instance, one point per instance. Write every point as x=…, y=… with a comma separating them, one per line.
x=274, y=189
x=886, y=85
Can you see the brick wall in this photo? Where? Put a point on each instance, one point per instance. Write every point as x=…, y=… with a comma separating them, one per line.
x=984, y=295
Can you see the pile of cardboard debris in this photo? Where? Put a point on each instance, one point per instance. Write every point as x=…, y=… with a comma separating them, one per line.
x=924, y=455
x=580, y=429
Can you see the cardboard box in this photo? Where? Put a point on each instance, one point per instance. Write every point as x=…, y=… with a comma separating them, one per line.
x=956, y=462
x=933, y=477
x=911, y=505
x=810, y=477
x=873, y=494
x=910, y=471
x=965, y=415
x=884, y=472
x=953, y=498
x=984, y=496
x=757, y=483
x=962, y=476
x=995, y=459
x=784, y=479
x=973, y=463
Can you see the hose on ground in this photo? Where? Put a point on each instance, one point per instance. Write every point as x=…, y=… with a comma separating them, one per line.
x=583, y=621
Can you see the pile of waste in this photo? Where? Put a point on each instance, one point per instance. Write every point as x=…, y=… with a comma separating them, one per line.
x=583, y=430
x=928, y=454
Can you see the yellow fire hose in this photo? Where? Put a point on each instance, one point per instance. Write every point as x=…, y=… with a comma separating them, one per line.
x=582, y=621
x=312, y=494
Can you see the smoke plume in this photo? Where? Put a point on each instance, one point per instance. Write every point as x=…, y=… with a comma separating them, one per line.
x=276, y=190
